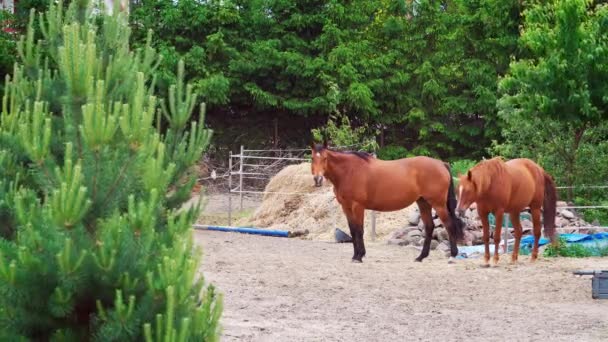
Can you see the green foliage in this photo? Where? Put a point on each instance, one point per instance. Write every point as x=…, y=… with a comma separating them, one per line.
x=392, y=152
x=93, y=245
x=574, y=250
x=344, y=135
x=554, y=102
x=460, y=167
x=430, y=78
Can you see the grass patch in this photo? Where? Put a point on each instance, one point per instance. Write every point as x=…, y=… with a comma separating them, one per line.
x=574, y=250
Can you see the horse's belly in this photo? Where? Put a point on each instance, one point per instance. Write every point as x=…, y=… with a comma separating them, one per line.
x=390, y=204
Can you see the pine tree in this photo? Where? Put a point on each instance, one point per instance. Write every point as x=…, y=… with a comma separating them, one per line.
x=93, y=244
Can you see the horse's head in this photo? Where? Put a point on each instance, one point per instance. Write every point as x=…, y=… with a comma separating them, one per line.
x=319, y=162
x=467, y=193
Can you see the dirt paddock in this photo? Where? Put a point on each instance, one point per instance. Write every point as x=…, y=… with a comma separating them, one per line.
x=278, y=289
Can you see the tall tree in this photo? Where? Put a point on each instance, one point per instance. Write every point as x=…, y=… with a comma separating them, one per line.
x=565, y=78
x=93, y=244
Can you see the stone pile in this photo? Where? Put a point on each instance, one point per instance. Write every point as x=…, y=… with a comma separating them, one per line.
x=414, y=233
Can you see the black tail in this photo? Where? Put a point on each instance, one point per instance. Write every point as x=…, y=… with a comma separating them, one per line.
x=457, y=226
x=549, y=207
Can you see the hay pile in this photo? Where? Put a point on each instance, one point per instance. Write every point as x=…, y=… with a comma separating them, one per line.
x=300, y=205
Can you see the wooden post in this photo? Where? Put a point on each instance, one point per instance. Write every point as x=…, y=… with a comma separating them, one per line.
x=373, y=225
x=230, y=189
x=241, y=178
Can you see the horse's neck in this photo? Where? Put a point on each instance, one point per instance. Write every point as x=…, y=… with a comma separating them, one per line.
x=339, y=165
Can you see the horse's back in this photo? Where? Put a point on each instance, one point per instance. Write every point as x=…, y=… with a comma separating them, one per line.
x=398, y=183
x=527, y=179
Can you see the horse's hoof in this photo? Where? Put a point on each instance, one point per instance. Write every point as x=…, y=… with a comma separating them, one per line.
x=451, y=260
x=484, y=265
x=357, y=261
x=418, y=260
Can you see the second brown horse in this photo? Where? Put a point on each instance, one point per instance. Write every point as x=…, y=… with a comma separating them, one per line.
x=501, y=187
x=363, y=182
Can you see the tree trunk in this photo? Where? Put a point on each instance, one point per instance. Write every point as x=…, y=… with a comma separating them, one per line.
x=276, y=133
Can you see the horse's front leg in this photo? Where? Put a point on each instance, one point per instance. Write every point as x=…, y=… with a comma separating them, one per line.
x=486, y=237
x=355, y=216
x=497, y=235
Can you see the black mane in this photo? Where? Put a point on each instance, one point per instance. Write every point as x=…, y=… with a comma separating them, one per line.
x=363, y=155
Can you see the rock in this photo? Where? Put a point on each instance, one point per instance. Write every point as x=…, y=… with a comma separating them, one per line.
x=468, y=238
x=443, y=235
x=407, y=230
x=478, y=240
x=436, y=233
x=595, y=223
x=562, y=204
x=398, y=234
x=434, y=244
x=567, y=214
x=562, y=222
x=434, y=214
x=414, y=233
x=421, y=225
x=443, y=246
x=414, y=218
x=438, y=222
x=398, y=242
x=471, y=215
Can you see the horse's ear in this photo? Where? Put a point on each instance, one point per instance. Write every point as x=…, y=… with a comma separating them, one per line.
x=469, y=175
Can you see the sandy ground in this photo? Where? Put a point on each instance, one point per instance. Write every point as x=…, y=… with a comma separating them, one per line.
x=279, y=289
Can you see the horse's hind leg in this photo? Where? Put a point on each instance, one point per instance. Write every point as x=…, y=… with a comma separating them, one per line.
x=444, y=216
x=426, y=215
x=536, y=224
x=517, y=230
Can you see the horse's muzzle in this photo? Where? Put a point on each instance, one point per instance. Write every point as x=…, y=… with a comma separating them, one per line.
x=318, y=181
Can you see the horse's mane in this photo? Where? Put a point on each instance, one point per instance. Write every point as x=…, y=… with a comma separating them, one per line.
x=363, y=155
x=483, y=173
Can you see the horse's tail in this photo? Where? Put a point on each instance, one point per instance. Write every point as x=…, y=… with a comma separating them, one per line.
x=549, y=207
x=457, y=227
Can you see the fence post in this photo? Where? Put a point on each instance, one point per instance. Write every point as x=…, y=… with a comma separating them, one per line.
x=241, y=178
x=230, y=188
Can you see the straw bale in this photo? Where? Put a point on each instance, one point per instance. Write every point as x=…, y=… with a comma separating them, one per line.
x=300, y=205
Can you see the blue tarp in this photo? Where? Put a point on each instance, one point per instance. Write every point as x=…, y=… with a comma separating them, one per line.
x=588, y=240
x=570, y=238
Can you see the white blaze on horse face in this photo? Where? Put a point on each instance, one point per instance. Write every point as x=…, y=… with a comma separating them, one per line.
x=318, y=155
x=459, y=196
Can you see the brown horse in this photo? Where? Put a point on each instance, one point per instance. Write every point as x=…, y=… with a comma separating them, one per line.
x=500, y=187
x=363, y=182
